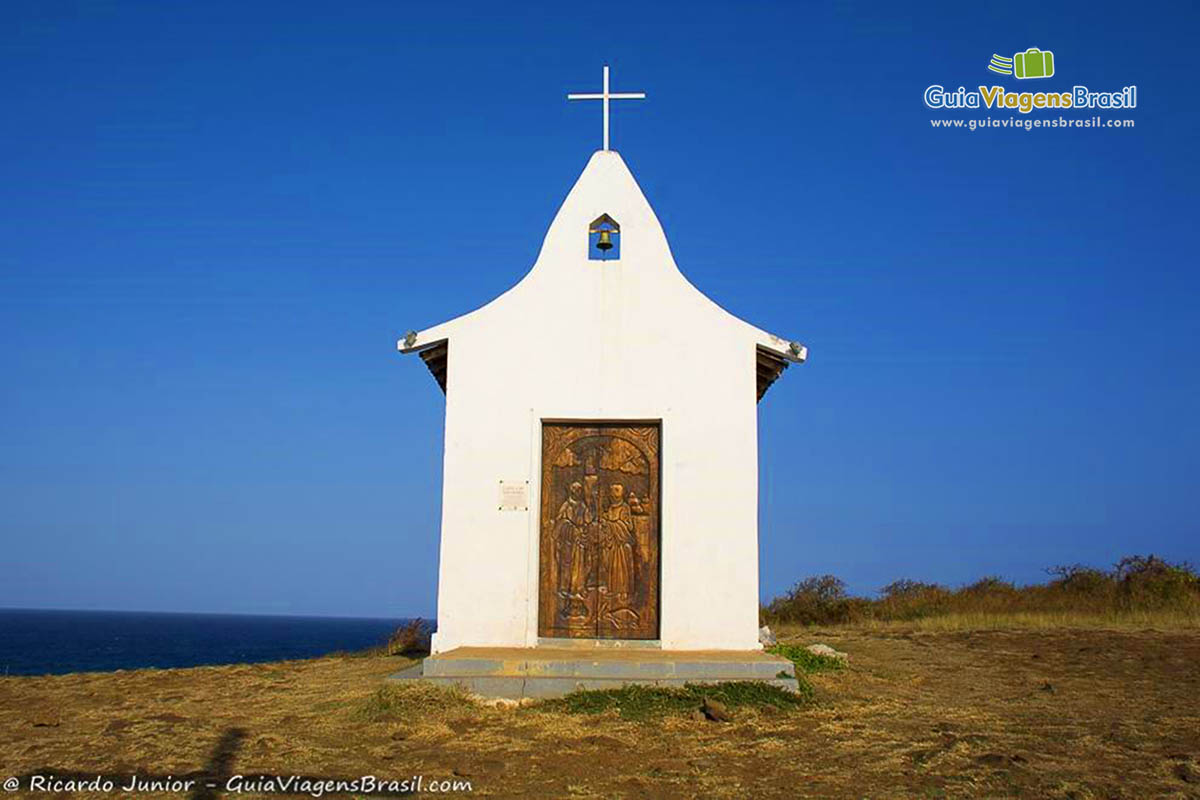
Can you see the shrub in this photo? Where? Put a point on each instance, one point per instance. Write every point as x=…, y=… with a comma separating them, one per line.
x=1080, y=579
x=1148, y=582
x=817, y=600
x=908, y=599
x=906, y=588
x=1135, y=584
x=990, y=584
x=409, y=639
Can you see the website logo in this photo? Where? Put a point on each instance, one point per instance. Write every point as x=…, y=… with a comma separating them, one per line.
x=1025, y=65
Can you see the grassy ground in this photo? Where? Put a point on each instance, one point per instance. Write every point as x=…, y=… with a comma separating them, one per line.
x=1034, y=712
x=961, y=621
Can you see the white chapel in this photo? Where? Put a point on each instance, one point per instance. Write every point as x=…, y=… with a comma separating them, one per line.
x=601, y=453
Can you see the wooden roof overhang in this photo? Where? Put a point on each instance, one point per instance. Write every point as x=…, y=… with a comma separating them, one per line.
x=769, y=365
x=436, y=356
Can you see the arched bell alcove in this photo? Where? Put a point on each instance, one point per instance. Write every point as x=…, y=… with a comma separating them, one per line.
x=604, y=239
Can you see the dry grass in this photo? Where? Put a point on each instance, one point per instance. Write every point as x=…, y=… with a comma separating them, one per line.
x=1038, y=712
x=1165, y=620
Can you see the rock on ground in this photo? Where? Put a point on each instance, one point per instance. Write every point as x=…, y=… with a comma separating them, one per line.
x=716, y=710
x=827, y=651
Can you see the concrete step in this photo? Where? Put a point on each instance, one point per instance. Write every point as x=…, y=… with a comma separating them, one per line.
x=515, y=687
x=543, y=672
x=646, y=670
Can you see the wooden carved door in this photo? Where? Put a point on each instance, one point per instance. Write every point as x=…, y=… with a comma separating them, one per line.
x=600, y=519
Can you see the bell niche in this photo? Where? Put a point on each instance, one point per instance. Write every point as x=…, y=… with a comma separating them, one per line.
x=604, y=239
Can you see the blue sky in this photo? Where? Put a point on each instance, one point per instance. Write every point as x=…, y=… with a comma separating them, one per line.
x=216, y=219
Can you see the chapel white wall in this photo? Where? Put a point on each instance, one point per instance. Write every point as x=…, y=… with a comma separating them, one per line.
x=625, y=340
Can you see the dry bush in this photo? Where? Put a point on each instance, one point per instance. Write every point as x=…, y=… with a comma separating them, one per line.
x=409, y=639
x=1148, y=582
x=1135, y=587
x=817, y=600
x=908, y=600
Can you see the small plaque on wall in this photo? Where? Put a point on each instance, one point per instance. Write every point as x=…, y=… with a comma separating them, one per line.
x=514, y=495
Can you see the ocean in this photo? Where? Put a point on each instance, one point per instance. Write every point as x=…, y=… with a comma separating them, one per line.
x=56, y=642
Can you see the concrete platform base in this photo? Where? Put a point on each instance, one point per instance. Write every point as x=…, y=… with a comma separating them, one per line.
x=552, y=672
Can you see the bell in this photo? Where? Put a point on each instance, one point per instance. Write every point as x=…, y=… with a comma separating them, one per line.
x=605, y=242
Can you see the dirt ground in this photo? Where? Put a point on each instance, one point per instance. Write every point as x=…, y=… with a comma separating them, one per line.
x=1070, y=714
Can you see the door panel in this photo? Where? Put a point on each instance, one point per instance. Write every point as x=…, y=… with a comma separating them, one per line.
x=600, y=520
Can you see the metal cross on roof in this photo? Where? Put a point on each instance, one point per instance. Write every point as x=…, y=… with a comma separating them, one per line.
x=606, y=95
